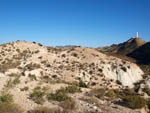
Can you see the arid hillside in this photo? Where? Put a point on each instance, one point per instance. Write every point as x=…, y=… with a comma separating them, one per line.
x=142, y=54
x=67, y=80
x=123, y=48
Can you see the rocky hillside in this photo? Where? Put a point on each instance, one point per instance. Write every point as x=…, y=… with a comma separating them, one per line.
x=36, y=76
x=142, y=54
x=123, y=48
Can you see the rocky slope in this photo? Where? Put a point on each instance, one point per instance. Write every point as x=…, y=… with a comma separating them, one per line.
x=75, y=63
x=24, y=66
x=123, y=48
x=142, y=54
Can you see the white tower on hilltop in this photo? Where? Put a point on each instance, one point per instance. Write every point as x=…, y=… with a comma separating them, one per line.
x=137, y=35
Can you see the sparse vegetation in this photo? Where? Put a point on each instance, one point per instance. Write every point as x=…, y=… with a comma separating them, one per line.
x=111, y=94
x=32, y=66
x=99, y=93
x=24, y=89
x=8, y=64
x=38, y=95
x=16, y=80
x=68, y=104
x=32, y=77
x=82, y=84
x=10, y=108
x=12, y=82
x=135, y=102
x=76, y=70
x=6, y=98
x=58, y=96
x=72, y=89
x=7, y=105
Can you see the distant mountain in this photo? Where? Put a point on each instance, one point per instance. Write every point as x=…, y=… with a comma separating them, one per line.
x=141, y=54
x=123, y=48
x=67, y=46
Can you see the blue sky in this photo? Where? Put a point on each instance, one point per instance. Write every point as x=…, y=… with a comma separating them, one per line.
x=90, y=23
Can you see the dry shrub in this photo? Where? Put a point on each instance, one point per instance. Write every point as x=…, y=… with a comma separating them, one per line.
x=10, y=108
x=69, y=104
x=135, y=102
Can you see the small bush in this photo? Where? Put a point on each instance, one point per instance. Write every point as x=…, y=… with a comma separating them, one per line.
x=68, y=104
x=41, y=110
x=129, y=92
x=72, y=89
x=6, y=98
x=38, y=96
x=10, y=108
x=12, y=83
x=16, y=80
x=99, y=93
x=69, y=89
x=110, y=93
x=82, y=84
x=32, y=77
x=58, y=96
x=32, y=66
x=8, y=84
x=135, y=102
x=24, y=89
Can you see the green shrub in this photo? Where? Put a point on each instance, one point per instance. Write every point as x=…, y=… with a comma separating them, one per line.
x=72, y=89
x=135, y=102
x=6, y=98
x=69, y=89
x=58, y=96
x=10, y=108
x=16, y=80
x=38, y=96
x=82, y=84
x=8, y=84
x=12, y=83
x=129, y=92
x=110, y=93
x=41, y=110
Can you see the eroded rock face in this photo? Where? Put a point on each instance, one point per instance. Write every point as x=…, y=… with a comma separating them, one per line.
x=127, y=74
